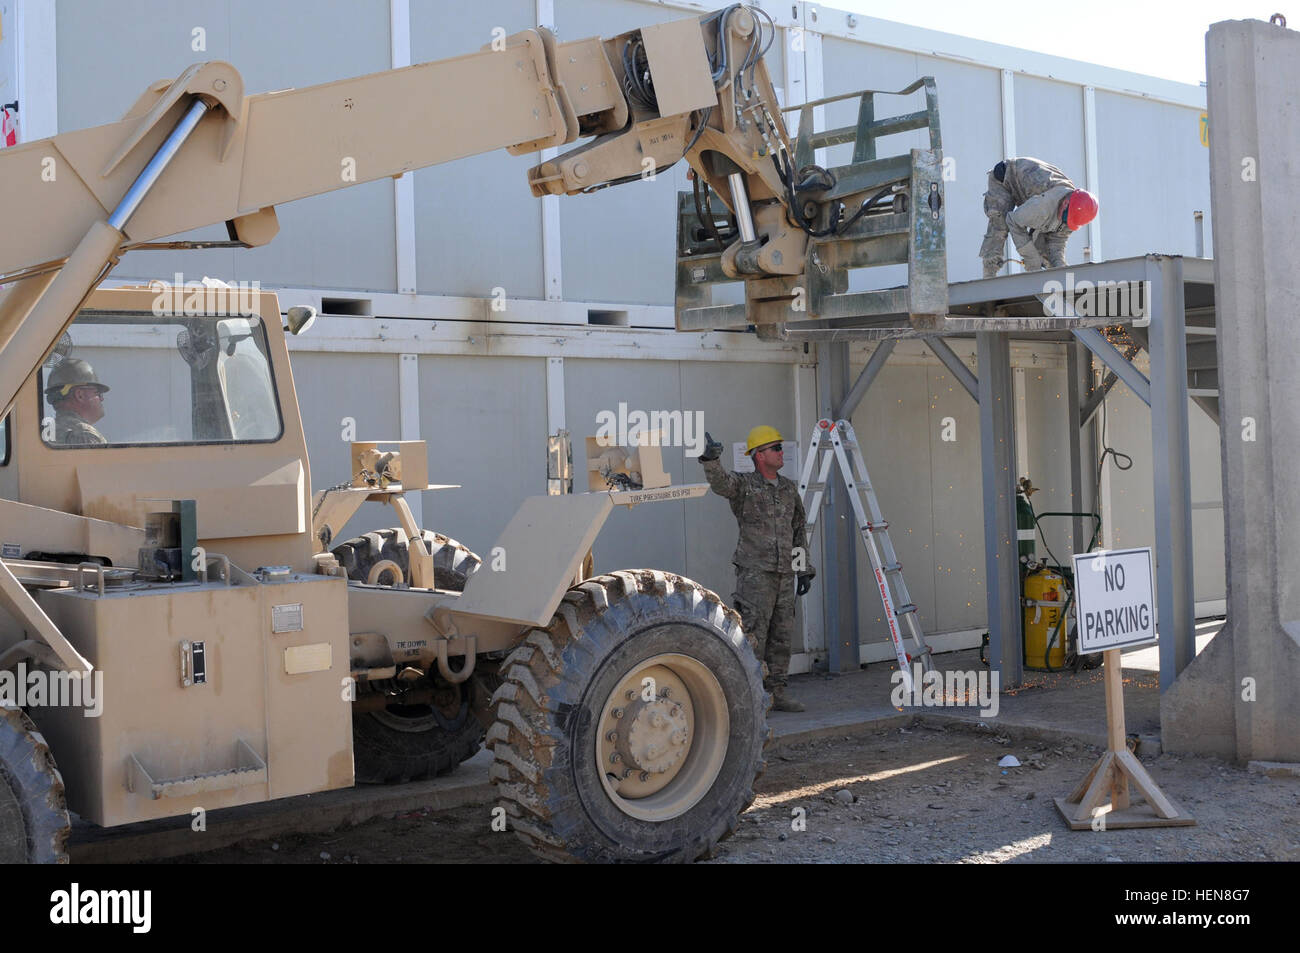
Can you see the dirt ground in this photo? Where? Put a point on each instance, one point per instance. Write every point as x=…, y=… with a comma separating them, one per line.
x=920, y=794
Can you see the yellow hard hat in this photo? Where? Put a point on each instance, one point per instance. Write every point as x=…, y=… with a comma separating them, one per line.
x=761, y=436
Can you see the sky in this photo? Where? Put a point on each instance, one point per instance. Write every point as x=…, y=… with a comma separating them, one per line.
x=1157, y=39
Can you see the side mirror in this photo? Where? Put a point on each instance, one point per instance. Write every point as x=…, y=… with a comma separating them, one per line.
x=300, y=318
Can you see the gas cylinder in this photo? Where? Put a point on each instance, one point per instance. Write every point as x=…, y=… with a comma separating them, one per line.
x=1044, y=586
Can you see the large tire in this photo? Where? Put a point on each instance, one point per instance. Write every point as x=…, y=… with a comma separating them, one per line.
x=453, y=563
x=412, y=742
x=680, y=767
x=33, y=813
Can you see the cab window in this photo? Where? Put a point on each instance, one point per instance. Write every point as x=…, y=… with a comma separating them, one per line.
x=124, y=379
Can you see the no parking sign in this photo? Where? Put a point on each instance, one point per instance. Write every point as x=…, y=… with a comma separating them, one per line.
x=1116, y=597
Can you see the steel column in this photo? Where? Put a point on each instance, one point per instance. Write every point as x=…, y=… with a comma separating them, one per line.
x=998, y=469
x=1083, y=443
x=1171, y=456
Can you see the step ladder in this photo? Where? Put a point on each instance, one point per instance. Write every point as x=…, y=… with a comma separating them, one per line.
x=836, y=442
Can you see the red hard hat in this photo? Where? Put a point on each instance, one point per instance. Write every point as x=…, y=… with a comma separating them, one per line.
x=1082, y=210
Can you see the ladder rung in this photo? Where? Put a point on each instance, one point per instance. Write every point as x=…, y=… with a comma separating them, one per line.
x=904, y=610
x=877, y=527
x=892, y=567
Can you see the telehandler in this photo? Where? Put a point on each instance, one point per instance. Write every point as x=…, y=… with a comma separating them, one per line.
x=184, y=576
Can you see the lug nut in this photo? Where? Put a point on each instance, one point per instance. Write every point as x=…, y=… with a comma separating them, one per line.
x=664, y=693
x=645, y=776
x=617, y=713
x=631, y=694
x=615, y=758
x=627, y=773
x=611, y=736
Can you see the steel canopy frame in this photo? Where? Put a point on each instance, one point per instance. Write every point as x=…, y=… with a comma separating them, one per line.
x=1001, y=309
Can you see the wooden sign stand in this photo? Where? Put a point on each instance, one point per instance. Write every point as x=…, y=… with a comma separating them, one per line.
x=1110, y=777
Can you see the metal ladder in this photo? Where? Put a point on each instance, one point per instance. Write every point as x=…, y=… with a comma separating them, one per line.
x=872, y=527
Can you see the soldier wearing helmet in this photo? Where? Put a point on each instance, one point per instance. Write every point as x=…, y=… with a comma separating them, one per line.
x=77, y=397
x=770, y=553
x=1040, y=207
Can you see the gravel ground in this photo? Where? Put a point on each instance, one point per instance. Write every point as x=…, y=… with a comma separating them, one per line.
x=937, y=795
x=920, y=794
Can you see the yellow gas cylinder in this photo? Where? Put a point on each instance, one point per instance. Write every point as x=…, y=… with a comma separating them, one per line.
x=1043, y=586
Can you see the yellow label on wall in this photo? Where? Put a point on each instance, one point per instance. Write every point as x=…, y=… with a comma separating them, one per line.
x=301, y=659
x=1204, y=124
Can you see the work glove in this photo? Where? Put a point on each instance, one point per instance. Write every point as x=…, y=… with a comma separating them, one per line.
x=712, y=448
x=805, y=583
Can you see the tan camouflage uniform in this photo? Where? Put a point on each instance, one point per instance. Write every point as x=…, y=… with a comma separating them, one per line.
x=1025, y=203
x=772, y=538
x=71, y=430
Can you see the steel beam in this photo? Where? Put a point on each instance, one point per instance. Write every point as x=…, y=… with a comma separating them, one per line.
x=998, y=469
x=1112, y=358
x=956, y=365
x=1030, y=283
x=1171, y=456
x=854, y=397
x=1090, y=406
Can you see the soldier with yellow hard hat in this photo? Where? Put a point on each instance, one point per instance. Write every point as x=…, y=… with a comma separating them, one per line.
x=77, y=397
x=771, y=557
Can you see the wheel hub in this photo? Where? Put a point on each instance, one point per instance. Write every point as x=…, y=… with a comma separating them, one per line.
x=659, y=736
x=662, y=737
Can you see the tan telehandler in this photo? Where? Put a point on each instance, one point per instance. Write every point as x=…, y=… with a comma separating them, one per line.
x=180, y=583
